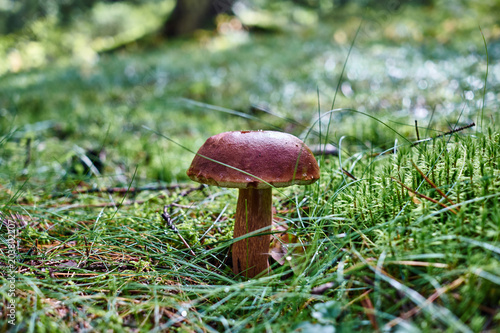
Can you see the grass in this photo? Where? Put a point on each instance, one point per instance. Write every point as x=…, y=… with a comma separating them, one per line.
x=365, y=252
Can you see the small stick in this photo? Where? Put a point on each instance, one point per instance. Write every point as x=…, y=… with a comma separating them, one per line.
x=456, y=130
x=367, y=304
x=99, y=205
x=189, y=190
x=347, y=173
x=418, y=263
x=123, y=190
x=87, y=247
x=428, y=301
x=321, y=289
x=444, y=134
x=432, y=184
x=426, y=140
x=170, y=223
x=125, y=202
x=424, y=196
x=416, y=130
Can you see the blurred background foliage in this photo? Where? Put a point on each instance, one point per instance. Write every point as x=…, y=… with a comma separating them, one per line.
x=80, y=78
x=36, y=32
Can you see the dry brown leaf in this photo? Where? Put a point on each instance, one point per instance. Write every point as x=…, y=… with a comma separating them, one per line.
x=286, y=247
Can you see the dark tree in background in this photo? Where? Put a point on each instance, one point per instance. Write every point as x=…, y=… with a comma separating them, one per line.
x=187, y=16
x=190, y=15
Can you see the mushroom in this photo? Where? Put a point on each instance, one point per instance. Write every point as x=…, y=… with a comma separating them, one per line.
x=254, y=162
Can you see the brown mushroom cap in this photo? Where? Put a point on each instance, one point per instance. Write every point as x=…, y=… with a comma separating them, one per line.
x=277, y=158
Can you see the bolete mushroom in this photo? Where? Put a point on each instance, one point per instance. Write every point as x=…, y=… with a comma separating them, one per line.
x=254, y=162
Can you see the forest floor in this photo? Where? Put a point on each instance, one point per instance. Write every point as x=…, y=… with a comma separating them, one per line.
x=401, y=233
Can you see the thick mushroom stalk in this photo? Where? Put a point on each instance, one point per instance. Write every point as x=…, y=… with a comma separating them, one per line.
x=254, y=162
x=253, y=212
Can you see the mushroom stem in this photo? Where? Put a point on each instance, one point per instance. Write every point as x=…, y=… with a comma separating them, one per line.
x=253, y=212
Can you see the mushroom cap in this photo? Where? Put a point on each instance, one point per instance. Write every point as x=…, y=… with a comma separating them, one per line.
x=267, y=158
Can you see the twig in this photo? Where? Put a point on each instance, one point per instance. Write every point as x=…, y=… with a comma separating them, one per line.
x=431, y=183
x=87, y=247
x=75, y=274
x=418, y=263
x=391, y=151
x=348, y=174
x=121, y=190
x=99, y=205
x=367, y=304
x=359, y=298
x=321, y=289
x=444, y=134
x=424, y=196
x=124, y=190
x=416, y=130
x=428, y=301
x=170, y=223
x=188, y=191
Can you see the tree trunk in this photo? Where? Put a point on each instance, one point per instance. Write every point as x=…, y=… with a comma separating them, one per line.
x=191, y=15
